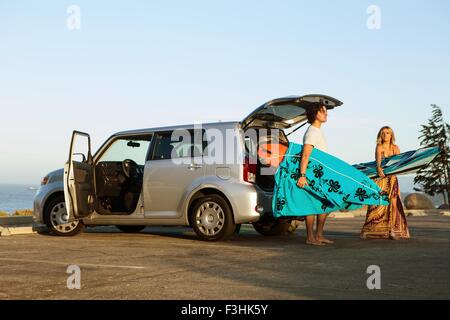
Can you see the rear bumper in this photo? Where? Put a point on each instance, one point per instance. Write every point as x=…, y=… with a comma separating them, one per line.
x=264, y=199
x=245, y=198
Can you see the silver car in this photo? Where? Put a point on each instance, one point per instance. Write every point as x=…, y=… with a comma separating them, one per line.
x=207, y=176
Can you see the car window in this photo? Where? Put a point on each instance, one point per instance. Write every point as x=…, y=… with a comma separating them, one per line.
x=127, y=148
x=284, y=112
x=180, y=144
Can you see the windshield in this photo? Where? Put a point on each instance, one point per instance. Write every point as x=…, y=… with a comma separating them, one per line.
x=127, y=148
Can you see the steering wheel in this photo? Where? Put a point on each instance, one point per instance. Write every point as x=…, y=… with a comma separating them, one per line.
x=131, y=168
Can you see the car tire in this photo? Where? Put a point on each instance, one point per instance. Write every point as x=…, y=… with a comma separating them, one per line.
x=130, y=229
x=212, y=219
x=274, y=227
x=55, y=216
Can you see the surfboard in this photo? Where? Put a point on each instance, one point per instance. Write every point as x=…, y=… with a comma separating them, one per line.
x=332, y=185
x=271, y=153
x=403, y=163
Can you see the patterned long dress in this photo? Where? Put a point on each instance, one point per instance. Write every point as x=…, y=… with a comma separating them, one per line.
x=386, y=221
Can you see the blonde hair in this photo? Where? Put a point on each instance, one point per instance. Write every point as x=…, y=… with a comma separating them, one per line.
x=380, y=141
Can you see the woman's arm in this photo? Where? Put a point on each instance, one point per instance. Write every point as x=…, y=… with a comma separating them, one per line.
x=378, y=158
x=396, y=150
x=306, y=152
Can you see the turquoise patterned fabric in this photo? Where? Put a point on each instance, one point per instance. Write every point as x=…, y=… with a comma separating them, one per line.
x=333, y=185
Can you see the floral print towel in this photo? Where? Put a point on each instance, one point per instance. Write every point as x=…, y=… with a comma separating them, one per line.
x=332, y=185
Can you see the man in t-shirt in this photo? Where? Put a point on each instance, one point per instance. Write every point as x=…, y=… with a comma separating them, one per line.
x=313, y=138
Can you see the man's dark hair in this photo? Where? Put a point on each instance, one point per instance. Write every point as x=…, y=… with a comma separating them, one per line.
x=312, y=112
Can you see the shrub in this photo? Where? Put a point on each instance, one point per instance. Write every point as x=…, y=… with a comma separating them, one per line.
x=26, y=212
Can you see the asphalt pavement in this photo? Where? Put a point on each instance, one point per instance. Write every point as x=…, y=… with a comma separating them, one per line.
x=171, y=263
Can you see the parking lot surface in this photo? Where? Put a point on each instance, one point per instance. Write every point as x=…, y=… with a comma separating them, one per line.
x=171, y=263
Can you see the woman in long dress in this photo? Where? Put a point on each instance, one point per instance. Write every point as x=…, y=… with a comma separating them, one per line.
x=386, y=222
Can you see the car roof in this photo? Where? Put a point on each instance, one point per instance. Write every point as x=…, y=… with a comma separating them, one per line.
x=218, y=125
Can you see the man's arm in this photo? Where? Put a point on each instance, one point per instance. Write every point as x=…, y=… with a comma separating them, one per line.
x=307, y=149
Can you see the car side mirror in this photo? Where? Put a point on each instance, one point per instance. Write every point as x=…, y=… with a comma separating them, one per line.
x=83, y=157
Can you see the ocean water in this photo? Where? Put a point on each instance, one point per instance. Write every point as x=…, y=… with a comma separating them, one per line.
x=16, y=197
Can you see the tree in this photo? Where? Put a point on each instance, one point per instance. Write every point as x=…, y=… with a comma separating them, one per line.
x=435, y=178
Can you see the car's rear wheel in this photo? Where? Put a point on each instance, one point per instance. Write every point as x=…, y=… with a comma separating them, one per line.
x=276, y=227
x=57, y=219
x=130, y=229
x=212, y=218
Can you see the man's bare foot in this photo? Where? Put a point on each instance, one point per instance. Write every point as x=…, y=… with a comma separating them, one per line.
x=314, y=242
x=325, y=240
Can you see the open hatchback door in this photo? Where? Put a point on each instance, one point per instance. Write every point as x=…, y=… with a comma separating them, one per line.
x=79, y=191
x=286, y=112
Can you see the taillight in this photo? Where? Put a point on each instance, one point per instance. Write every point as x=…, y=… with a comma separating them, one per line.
x=249, y=171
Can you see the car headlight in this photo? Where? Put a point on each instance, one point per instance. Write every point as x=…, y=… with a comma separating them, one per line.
x=45, y=180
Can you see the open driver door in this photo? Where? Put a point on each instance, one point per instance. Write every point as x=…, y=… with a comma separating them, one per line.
x=79, y=190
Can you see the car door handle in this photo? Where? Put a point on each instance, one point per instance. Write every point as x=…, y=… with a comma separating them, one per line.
x=194, y=166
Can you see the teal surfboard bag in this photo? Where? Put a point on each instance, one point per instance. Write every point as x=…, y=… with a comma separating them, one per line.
x=332, y=185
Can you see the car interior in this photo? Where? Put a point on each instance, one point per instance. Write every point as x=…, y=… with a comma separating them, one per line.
x=265, y=173
x=119, y=175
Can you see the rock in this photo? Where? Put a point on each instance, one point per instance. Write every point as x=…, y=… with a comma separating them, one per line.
x=416, y=201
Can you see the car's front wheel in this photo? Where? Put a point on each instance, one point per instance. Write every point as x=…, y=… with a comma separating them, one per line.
x=212, y=218
x=57, y=219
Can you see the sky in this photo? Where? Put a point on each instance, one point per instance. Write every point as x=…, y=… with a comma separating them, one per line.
x=142, y=64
